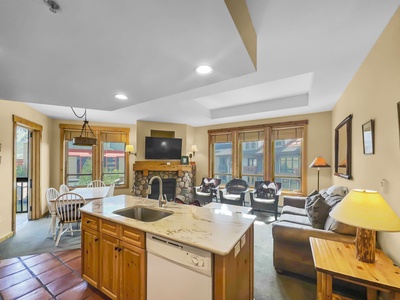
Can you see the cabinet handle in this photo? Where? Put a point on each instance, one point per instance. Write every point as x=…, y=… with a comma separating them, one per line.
x=96, y=240
x=119, y=249
x=116, y=248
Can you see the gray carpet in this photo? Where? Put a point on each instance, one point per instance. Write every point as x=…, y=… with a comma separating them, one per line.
x=33, y=239
x=268, y=285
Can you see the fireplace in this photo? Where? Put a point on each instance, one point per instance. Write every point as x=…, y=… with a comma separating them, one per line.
x=168, y=187
x=183, y=176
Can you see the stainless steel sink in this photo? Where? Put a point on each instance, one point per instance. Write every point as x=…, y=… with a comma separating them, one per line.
x=144, y=214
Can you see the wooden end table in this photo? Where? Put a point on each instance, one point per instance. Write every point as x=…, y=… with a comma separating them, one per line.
x=338, y=260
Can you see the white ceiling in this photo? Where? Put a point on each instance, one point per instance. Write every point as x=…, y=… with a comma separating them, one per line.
x=81, y=56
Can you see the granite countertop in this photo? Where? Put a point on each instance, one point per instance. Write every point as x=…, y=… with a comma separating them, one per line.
x=213, y=229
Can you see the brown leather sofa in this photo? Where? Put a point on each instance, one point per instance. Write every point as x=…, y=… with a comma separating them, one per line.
x=291, y=246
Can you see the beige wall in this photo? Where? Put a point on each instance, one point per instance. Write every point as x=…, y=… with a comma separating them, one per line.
x=182, y=131
x=319, y=137
x=7, y=109
x=373, y=93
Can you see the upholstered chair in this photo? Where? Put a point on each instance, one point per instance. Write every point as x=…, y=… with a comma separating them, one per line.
x=265, y=196
x=207, y=191
x=234, y=192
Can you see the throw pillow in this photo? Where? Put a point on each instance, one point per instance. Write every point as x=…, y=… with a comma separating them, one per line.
x=311, y=199
x=314, y=192
x=207, y=185
x=266, y=190
x=339, y=227
x=332, y=200
x=318, y=211
x=337, y=190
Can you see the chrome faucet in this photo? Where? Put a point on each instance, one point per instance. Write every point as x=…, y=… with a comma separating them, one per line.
x=161, y=200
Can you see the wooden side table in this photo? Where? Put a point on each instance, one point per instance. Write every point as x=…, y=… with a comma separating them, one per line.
x=338, y=260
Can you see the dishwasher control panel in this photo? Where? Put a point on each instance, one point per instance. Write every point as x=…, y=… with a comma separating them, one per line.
x=185, y=255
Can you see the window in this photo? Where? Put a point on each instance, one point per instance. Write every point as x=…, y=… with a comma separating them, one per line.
x=223, y=161
x=221, y=152
x=252, y=157
x=78, y=165
x=288, y=153
x=288, y=164
x=106, y=161
x=113, y=163
x=261, y=152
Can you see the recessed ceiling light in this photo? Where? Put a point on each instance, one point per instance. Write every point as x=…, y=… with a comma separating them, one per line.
x=121, y=97
x=203, y=70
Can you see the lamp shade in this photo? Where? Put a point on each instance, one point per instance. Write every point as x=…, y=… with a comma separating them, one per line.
x=319, y=162
x=129, y=148
x=366, y=209
x=194, y=148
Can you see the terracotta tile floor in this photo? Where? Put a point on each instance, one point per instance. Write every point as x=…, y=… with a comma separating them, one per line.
x=45, y=276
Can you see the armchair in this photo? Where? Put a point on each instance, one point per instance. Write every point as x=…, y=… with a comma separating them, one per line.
x=265, y=196
x=207, y=190
x=234, y=192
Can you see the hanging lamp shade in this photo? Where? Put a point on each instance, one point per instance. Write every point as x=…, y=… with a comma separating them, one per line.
x=84, y=139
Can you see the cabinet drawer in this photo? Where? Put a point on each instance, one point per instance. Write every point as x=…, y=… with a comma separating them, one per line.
x=133, y=236
x=110, y=228
x=90, y=222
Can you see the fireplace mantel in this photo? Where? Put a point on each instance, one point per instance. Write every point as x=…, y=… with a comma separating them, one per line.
x=158, y=165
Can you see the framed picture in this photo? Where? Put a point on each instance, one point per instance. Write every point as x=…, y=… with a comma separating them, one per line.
x=368, y=137
x=184, y=160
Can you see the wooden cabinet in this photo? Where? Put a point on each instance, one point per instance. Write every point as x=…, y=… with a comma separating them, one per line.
x=109, y=265
x=114, y=261
x=133, y=273
x=234, y=272
x=119, y=267
x=90, y=256
x=90, y=249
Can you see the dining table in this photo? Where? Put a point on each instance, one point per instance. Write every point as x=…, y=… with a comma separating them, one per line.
x=89, y=194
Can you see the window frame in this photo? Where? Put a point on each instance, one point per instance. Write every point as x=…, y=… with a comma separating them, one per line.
x=100, y=133
x=269, y=164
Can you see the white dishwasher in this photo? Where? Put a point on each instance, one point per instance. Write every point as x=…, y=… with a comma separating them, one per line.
x=177, y=271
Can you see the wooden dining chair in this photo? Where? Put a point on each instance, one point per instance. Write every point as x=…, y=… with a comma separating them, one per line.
x=96, y=183
x=110, y=192
x=51, y=193
x=67, y=208
x=64, y=189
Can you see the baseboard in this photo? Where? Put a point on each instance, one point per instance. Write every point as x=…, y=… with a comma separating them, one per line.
x=3, y=238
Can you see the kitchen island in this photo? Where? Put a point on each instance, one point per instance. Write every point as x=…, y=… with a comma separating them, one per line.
x=114, y=246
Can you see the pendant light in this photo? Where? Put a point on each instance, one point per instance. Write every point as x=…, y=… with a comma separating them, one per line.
x=84, y=139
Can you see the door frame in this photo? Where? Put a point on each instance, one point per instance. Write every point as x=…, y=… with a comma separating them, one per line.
x=34, y=169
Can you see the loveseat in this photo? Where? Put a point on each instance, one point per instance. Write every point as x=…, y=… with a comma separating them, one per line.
x=302, y=218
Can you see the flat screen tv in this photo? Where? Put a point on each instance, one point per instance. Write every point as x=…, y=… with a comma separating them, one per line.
x=163, y=148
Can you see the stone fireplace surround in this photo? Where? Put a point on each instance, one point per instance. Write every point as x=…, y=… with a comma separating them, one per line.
x=183, y=174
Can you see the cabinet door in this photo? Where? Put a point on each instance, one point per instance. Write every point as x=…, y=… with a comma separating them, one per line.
x=109, y=272
x=133, y=272
x=90, y=256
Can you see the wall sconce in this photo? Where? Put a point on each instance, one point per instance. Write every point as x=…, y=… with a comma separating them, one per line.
x=194, y=150
x=130, y=149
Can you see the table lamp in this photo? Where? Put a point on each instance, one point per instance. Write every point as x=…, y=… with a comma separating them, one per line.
x=369, y=212
x=319, y=162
